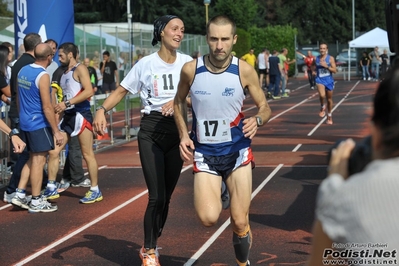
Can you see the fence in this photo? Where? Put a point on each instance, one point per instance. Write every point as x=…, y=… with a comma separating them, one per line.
x=116, y=38
x=123, y=124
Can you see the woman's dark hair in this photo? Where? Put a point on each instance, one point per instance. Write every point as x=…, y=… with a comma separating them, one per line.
x=386, y=111
x=4, y=52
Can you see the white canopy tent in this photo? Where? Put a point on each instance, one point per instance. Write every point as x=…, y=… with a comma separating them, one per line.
x=376, y=37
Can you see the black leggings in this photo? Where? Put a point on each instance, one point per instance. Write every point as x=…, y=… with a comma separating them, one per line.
x=158, y=142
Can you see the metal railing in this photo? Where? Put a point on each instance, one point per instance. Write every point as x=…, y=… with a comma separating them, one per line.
x=123, y=126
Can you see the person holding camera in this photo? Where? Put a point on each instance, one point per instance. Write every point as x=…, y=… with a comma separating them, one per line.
x=362, y=208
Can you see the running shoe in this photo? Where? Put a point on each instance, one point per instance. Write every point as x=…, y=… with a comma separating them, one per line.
x=84, y=183
x=329, y=120
x=322, y=111
x=285, y=95
x=62, y=186
x=149, y=259
x=92, y=196
x=51, y=193
x=21, y=202
x=225, y=196
x=8, y=197
x=276, y=97
x=312, y=88
x=248, y=264
x=43, y=206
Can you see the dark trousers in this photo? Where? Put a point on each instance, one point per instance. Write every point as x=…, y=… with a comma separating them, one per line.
x=274, y=85
x=19, y=162
x=73, y=168
x=311, y=78
x=161, y=163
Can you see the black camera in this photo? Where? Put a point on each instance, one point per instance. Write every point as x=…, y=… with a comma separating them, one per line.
x=360, y=155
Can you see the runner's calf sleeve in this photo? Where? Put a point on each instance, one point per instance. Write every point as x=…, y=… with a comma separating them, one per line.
x=242, y=244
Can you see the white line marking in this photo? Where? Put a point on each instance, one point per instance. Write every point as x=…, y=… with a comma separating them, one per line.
x=77, y=231
x=212, y=239
x=335, y=107
x=297, y=147
x=5, y=206
x=293, y=107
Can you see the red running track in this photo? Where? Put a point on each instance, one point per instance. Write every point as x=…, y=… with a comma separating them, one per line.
x=290, y=153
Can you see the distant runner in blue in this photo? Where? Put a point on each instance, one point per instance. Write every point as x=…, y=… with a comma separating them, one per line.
x=324, y=68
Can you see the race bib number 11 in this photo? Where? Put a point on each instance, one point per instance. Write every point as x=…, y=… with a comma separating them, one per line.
x=213, y=131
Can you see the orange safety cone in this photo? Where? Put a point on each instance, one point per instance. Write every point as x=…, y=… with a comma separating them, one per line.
x=105, y=136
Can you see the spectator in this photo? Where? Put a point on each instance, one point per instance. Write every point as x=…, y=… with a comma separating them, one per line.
x=121, y=65
x=18, y=161
x=284, y=66
x=362, y=208
x=262, y=61
x=375, y=63
x=77, y=121
x=73, y=173
x=109, y=70
x=275, y=74
x=365, y=64
x=309, y=61
x=249, y=57
x=38, y=127
x=54, y=65
x=99, y=76
x=92, y=73
x=384, y=62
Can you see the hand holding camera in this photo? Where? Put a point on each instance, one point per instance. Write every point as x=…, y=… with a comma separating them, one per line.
x=347, y=157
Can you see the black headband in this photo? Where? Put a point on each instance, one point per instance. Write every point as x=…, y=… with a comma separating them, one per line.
x=159, y=25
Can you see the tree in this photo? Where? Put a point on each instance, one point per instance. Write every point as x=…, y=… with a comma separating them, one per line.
x=243, y=12
x=4, y=12
x=315, y=20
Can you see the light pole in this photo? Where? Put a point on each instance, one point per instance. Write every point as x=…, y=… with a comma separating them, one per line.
x=206, y=3
x=353, y=19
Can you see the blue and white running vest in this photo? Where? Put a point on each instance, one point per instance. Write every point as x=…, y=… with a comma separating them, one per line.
x=31, y=113
x=217, y=100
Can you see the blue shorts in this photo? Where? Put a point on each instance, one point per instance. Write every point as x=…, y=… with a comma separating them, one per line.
x=222, y=165
x=40, y=140
x=73, y=123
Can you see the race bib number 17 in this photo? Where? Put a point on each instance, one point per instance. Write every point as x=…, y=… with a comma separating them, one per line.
x=213, y=131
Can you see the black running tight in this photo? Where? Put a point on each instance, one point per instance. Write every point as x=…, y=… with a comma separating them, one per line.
x=160, y=159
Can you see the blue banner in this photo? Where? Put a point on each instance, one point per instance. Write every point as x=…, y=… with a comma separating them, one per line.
x=51, y=19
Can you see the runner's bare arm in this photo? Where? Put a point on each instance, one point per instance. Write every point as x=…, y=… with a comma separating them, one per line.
x=249, y=79
x=100, y=122
x=186, y=78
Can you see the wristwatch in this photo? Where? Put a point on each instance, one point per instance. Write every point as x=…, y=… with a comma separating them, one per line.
x=68, y=104
x=13, y=132
x=259, y=121
x=101, y=107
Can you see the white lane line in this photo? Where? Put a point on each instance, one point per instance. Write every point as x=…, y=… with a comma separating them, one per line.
x=297, y=147
x=77, y=231
x=335, y=107
x=5, y=206
x=218, y=232
x=293, y=107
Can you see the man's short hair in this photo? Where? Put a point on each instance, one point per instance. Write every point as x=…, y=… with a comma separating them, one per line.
x=106, y=53
x=51, y=40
